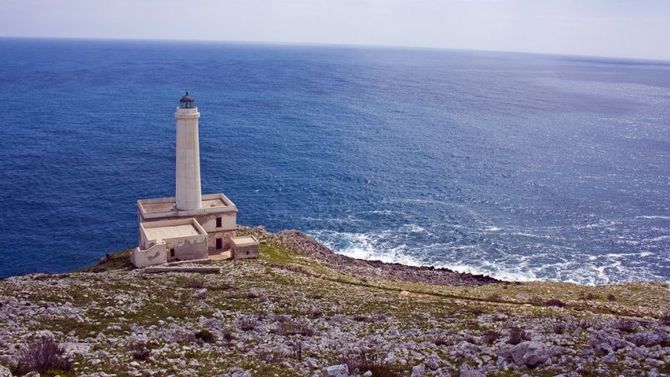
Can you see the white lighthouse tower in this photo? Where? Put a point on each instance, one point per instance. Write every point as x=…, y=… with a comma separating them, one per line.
x=188, y=193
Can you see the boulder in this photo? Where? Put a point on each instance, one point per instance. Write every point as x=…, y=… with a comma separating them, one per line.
x=237, y=372
x=45, y=335
x=610, y=358
x=467, y=371
x=5, y=372
x=433, y=362
x=648, y=339
x=340, y=370
x=418, y=370
x=393, y=331
x=530, y=354
x=9, y=361
x=312, y=363
x=603, y=343
x=200, y=293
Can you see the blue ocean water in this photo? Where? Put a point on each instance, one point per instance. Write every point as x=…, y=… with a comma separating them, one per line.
x=514, y=165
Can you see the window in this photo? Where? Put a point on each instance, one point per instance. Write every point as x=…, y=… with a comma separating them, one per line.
x=219, y=243
x=218, y=222
x=172, y=253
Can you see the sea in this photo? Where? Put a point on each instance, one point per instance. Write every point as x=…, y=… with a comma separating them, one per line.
x=518, y=166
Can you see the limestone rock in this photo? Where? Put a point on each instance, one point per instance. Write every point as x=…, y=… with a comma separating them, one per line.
x=610, y=358
x=237, y=372
x=645, y=339
x=603, y=343
x=312, y=363
x=433, y=362
x=9, y=361
x=467, y=371
x=530, y=354
x=341, y=370
x=418, y=370
x=5, y=372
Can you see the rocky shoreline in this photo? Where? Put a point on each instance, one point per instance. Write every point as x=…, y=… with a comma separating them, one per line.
x=302, y=310
x=311, y=248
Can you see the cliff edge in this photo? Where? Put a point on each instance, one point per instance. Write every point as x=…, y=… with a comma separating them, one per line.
x=302, y=310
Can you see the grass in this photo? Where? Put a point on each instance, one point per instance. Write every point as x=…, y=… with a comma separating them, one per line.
x=113, y=261
x=286, y=283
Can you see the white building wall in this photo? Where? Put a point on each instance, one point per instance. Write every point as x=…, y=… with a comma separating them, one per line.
x=154, y=255
x=228, y=222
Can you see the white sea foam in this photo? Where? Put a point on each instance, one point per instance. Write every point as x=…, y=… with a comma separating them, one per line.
x=656, y=239
x=546, y=264
x=653, y=217
x=362, y=246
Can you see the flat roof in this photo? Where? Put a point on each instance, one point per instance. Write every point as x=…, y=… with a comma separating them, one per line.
x=158, y=207
x=170, y=231
x=209, y=203
x=165, y=207
x=244, y=241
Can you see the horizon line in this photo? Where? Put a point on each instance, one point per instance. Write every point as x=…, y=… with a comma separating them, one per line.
x=337, y=44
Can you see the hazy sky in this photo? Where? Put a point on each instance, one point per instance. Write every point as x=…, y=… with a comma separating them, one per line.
x=622, y=28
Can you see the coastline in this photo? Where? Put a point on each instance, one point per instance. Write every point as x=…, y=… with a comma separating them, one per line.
x=300, y=309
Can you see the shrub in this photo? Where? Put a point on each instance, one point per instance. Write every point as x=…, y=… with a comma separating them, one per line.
x=297, y=349
x=206, y=336
x=611, y=297
x=491, y=336
x=494, y=297
x=558, y=327
x=41, y=355
x=589, y=296
x=294, y=327
x=517, y=335
x=315, y=312
x=585, y=324
x=369, y=361
x=361, y=318
x=252, y=293
x=379, y=369
x=665, y=320
x=221, y=287
x=275, y=355
x=228, y=336
x=555, y=302
x=141, y=354
x=626, y=325
x=247, y=323
x=194, y=284
x=379, y=317
x=441, y=341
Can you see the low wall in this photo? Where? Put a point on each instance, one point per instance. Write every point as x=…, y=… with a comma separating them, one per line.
x=156, y=254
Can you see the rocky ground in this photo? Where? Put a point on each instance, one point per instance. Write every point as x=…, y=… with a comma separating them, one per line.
x=302, y=310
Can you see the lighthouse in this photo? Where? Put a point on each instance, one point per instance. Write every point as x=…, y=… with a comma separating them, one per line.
x=188, y=193
x=190, y=225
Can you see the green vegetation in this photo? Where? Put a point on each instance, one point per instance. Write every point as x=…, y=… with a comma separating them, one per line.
x=290, y=295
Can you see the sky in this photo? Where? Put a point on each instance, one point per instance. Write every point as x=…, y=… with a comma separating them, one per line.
x=616, y=28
